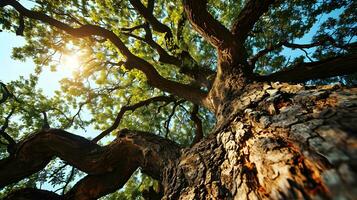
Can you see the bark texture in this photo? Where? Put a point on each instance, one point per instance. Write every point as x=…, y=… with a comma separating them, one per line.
x=279, y=141
x=108, y=167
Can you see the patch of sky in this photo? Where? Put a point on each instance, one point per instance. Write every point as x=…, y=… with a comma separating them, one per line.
x=307, y=38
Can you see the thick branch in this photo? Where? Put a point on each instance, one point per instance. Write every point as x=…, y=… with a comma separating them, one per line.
x=194, y=70
x=5, y=94
x=109, y=167
x=204, y=23
x=249, y=15
x=148, y=15
x=301, y=72
x=185, y=62
x=154, y=78
x=131, y=108
x=95, y=186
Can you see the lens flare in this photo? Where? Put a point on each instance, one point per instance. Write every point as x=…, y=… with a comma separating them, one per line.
x=71, y=61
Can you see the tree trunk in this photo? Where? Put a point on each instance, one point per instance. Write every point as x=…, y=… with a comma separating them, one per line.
x=275, y=141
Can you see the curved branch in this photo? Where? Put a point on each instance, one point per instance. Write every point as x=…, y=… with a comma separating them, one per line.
x=185, y=62
x=249, y=15
x=167, y=122
x=69, y=179
x=337, y=66
x=11, y=142
x=94, y=186
x=204, y=23
x=165, y=57
x=198, y=125
x=252, y=60
x=108, y=167
x=348, y=47
x=147, y=13
x=194, y=70
x=154, y=78
x=131, y=108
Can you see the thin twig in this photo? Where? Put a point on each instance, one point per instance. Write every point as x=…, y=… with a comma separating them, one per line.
x=130, y=108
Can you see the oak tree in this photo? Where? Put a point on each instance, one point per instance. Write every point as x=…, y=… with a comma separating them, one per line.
x=206, y=98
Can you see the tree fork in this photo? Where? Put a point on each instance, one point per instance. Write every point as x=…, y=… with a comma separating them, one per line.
x=283, y=142
x=108, y=167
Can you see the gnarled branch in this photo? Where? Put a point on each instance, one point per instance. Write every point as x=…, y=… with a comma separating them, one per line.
x=108, y=167
x=200, y=74
x=249, y=15
x=146, y=12
x=204, y=23
x=336, y=66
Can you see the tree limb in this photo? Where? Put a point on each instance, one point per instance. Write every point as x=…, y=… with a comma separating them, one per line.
x=5, y=94
x=198, y=123
x=69, y=179
x=199, y=73
x=45, y=124
x=249, y=15
x=94, y=186
x=336, y=66
x=147, y=13
x=154, y=78
x=11, y=142
x=324, y=41
x=184, y=62
x=204, y=23
x=252, y=60
x=131, y=108
x=167, y=122
x=21, y=28
x=108, y=167
x=131, y=29
x=164, y=56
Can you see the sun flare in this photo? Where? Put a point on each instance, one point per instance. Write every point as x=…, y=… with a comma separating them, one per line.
x=71, y=61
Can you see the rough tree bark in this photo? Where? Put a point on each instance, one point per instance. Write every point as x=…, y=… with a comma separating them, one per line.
x=282, y=142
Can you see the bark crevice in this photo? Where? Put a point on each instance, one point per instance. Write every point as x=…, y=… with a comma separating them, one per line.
x=281, y=142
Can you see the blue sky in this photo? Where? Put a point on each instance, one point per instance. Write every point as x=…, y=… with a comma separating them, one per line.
x=49, y=81
x=11, y=69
